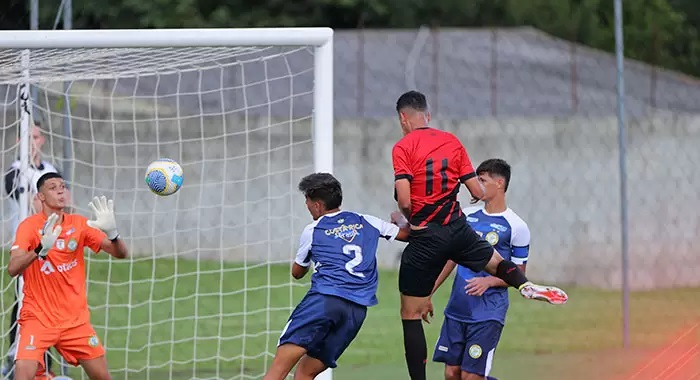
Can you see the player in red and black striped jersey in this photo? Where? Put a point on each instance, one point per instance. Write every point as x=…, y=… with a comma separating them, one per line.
x=429, y=167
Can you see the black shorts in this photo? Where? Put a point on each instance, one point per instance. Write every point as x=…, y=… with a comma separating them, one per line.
x=429, y=249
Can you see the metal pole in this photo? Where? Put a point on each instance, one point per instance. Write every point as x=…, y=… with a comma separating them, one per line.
x=622, y=141
x=67, y=128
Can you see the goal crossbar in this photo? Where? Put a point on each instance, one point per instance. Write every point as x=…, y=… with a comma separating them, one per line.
x=153, y=38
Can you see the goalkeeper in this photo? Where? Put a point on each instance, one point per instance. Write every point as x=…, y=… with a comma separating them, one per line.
x=48, y=254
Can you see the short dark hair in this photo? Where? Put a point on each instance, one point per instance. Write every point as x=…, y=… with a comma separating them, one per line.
x=45, y=177
x=495, y=167
x=322, y=187
x=412, y=99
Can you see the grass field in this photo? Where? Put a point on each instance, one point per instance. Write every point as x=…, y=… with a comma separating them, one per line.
x=180, y=319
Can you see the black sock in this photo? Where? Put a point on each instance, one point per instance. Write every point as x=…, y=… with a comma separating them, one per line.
x=415, y=347
x=511, y=274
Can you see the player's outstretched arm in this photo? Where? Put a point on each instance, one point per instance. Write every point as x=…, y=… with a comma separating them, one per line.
x=28, y=247
x=107, y=223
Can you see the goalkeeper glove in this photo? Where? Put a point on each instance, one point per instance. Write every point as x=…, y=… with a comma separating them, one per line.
x=104, y=217
x=49, y=234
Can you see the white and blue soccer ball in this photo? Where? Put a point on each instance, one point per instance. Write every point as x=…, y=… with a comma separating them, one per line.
x=164, y=176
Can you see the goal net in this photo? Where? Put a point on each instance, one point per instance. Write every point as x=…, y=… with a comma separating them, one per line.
x=207, y=290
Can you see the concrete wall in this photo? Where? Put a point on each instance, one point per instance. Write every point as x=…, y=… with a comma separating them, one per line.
x=239, y=200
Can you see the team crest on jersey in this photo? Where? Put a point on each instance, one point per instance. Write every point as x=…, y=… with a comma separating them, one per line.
x=93, y=341
x=61, y=244
x=72, y=245
x=346, y=232
x=492, y=237
x=475, y=351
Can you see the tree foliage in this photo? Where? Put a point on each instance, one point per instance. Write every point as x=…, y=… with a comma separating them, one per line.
x=663, y=32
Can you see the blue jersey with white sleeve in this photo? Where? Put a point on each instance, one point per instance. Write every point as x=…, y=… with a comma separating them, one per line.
x=343, y=249
x=510, y=236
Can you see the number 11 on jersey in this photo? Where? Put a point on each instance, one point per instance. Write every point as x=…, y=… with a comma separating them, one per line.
x=353, y=250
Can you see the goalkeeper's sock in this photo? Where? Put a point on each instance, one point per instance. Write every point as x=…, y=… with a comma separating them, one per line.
x=416, y=349
x=511, y=274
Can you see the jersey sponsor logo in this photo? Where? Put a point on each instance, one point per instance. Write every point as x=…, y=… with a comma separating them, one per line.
x=475, y=351
x=498, y=227
x=346, y=232
x=67, y=266
x=443, y=348
x=47, y=268
x=492, y=237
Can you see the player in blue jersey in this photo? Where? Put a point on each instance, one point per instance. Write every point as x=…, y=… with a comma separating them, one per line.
x=342, y=246
x=476, y=311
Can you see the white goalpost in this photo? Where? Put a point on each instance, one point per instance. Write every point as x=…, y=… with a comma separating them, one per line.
x=246, y=112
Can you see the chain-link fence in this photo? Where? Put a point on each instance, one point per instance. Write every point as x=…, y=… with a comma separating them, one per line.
x=548, y=107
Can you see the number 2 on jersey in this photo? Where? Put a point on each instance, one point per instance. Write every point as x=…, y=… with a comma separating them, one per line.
x=356, y=250
x=429, y=176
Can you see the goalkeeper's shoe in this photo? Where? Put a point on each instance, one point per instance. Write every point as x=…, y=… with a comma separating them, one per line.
x=550, y=294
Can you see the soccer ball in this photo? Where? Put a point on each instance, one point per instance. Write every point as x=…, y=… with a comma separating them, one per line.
x=164, y=176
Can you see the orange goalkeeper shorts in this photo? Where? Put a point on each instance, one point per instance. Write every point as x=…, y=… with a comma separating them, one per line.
x=73, y=343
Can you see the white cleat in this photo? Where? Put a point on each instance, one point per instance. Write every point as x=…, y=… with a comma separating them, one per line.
x=550, y=294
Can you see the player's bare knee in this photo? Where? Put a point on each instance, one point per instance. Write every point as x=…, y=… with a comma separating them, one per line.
x=471, y=376
x=492, y=265
x=453, y=372
x=413, y=307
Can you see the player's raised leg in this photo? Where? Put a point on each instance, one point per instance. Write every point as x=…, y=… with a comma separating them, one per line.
x=510, y=273
x=478, y=255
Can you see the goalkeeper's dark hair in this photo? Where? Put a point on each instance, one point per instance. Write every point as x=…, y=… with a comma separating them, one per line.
x=45, y=177
x=495, y=167
x=322, y=187
x=413, y=100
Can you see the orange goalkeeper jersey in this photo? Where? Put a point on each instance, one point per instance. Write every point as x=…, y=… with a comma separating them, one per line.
x=52, y=291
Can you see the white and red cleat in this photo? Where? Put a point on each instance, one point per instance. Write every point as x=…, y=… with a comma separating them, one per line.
x=550, y=294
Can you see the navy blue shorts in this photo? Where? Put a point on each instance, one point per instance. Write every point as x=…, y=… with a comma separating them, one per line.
x=324, y=325
x=468, y=345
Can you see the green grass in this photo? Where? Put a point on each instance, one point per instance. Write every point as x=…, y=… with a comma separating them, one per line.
x=155, y=303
